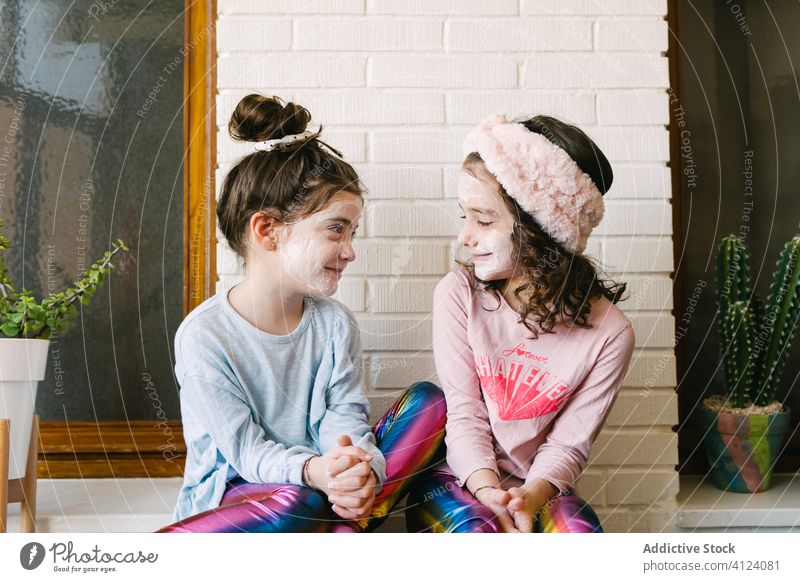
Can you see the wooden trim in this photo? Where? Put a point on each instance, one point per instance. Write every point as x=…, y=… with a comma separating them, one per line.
x=111, y=449
x=200, y=85
x=145, y=448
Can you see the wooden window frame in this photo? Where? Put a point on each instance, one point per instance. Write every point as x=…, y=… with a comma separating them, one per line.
x=140, y=448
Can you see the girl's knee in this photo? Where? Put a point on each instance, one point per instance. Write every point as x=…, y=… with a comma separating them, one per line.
x=429, y=395
x=571, y=514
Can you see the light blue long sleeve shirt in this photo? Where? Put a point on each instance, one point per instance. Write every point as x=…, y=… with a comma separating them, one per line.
x=259, y=405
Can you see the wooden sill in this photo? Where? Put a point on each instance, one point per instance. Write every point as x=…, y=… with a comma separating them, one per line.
x=111, y=449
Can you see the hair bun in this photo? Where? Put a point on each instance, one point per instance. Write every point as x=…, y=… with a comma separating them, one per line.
x=259, y=118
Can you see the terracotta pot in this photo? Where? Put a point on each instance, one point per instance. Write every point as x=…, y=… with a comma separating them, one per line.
x=742, y=450
x=22, y=365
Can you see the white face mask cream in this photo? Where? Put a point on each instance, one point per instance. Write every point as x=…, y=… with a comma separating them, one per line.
x=499, y=261
x=487, y=230
x=314, y=251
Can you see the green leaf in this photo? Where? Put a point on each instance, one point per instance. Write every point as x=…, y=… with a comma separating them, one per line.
x=9, y=329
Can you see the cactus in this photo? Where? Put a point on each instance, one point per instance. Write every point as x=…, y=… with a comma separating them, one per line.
x=755, y=340
x=781, y=319
x=733, y=272
x=739, y=328
x=761, y=337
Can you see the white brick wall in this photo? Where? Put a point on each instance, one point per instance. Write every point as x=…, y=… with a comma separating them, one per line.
x=397, y=85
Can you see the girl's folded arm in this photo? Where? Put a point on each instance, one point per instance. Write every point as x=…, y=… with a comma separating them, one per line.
x=470, y=444
x=562, y=457
x=223, y=413
x=347, y=406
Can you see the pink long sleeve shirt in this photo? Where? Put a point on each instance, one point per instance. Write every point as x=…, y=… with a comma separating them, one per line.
x=530, y=408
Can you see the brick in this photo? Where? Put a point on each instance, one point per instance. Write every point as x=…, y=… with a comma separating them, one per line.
x=219, y=177
x=641, y=181
x=371, y=34
x=653, y=330
x=651, y=369
x=591, y=486
x=290, y=70
x=398, y=371
x=650, y=447
x=444, y=7
x=632, y=108
x=639, y=487
x=421, y=218
x=253, y=34
x=510, y=35
x=635, y=408
x=595, y=71
x=472, y=106
x=401, y=295
x=393, y=333
x=441, y=71
x=628, y=144
x=390, y=182
x=352, y=144
x=643, y=519
x=594, y=7
x=374, y=108
x=636, y=217
x=225, y=105
x=417, y=146
x=398, y=257
x=451, y=180
x=351, y=292
x=648, y=292
x=292, y=7
x=626, y=254
x=632, y=34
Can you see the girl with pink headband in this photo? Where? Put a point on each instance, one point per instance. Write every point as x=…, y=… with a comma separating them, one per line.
x=530, y=347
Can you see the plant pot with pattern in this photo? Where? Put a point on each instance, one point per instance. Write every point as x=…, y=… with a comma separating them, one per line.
x=744, y=427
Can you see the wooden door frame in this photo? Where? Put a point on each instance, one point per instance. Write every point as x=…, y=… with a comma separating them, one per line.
x=146, y=448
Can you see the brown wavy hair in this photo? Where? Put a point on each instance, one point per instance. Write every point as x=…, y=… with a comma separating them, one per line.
x=289, y=183
x=559, y=285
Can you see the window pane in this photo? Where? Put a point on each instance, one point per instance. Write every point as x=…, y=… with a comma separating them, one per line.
x=91, y=114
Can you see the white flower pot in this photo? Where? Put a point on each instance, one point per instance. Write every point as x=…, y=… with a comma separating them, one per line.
x=22, y=365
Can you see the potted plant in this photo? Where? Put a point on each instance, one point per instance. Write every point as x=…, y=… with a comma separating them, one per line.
x=25, y=326
x=745, y=427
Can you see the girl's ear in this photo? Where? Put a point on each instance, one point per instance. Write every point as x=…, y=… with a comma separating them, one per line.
x=264, y=230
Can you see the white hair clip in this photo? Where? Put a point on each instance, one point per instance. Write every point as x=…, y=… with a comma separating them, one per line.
x=271, y=144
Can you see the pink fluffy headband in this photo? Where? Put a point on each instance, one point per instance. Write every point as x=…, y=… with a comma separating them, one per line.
x=543, y=179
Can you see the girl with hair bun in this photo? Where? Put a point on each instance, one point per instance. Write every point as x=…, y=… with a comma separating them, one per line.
x=271, y=372
x=529, y=345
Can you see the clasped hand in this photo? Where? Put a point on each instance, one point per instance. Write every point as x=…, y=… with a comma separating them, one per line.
x=346, y=477
x=515, y=508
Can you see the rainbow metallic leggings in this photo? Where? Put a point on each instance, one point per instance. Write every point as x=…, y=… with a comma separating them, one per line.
x=437, y=504
x=410, y=435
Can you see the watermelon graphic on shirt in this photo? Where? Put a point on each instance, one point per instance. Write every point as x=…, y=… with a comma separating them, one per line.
x=521, y=390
